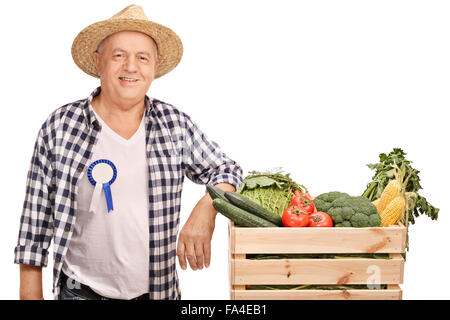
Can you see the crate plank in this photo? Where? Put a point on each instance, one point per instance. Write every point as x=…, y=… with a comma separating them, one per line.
x=318, y=271
x=393, y=292
x=230, y=258
x=319, y=240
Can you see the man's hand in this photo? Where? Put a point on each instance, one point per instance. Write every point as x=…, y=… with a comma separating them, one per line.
x=194, y=242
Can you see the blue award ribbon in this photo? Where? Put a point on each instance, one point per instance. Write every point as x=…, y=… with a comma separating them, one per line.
x=106, y=185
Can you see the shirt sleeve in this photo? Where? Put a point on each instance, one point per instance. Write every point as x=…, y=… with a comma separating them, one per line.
x=36, y=222
x=204, y=161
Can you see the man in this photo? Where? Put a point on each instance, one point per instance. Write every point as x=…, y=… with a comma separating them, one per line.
x=106, y=175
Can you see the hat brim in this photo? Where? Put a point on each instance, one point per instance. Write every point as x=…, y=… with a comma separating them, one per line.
x=170, y=48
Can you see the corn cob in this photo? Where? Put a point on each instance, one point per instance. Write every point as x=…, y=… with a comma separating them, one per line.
x=376, y=203
x=393, y=211
x=389, y=193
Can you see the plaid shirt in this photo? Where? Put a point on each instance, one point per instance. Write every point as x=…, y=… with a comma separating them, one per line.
x=174, y=146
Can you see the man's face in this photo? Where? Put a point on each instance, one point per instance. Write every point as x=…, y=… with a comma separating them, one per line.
x=126, y=64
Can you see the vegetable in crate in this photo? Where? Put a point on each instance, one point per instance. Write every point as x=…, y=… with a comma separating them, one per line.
x=215, y=192
x=393, y=203
x=272, y=190
x=239, y=216
x=393, y=211
x=389, y=193
x=385, y=172
x=295, y=217
x=323, y=201
x=347, y=211
x=251, y=206
x=320, y=219
x=303, y=201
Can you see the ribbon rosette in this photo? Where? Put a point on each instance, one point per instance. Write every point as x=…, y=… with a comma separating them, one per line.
x=101, y=174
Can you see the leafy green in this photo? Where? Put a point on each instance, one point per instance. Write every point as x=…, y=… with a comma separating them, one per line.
x=271, y=189
x=257, y=179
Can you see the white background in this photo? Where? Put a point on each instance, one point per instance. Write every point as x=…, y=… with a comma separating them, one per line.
x=320, y=88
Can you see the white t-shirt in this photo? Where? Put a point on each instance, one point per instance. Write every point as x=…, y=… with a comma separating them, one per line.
x=109, y=251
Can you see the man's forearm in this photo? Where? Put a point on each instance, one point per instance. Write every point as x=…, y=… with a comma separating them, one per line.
x=226, y=186
x=194, y=242
x=207, y=200
x=30, y=282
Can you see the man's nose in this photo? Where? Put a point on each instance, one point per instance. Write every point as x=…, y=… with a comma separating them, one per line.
x=130, y=64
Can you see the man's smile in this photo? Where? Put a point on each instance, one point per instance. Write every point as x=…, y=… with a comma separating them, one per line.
x=128, y=80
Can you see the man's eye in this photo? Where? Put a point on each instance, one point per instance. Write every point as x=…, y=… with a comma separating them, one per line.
x=118, y=55
x=143, y=58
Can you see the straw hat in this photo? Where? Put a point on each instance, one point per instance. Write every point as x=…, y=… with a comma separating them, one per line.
x=132, y=18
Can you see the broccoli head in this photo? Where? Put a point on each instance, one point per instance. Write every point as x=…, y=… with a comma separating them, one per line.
x=357, y=212
x=323, y=201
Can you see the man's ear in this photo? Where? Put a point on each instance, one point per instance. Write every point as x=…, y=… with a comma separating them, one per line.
x=97, y=62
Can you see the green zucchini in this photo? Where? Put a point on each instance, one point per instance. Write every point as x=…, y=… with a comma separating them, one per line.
x=251, y=206
x=215, y=193
x=239, y=216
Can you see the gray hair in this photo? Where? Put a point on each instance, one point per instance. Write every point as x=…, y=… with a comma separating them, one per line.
x=100, y=46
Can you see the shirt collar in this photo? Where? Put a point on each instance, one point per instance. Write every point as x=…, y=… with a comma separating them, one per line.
x=89, y=110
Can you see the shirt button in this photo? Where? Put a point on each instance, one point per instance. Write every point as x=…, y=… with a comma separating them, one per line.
x=57, y=260
x=66, y=229
x=80, y=169
x=91, y=141
x=72, y=198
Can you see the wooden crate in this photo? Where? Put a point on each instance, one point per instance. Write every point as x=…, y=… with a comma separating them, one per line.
x=243, y=271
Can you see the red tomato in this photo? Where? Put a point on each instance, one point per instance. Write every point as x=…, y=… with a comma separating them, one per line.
x=303, y=201
x=297, y=193
x=295, y=217
x=300, y=193
x=320, y=219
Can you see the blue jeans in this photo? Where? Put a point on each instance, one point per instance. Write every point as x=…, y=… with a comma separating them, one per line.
x=83, y=293
x=65, y=294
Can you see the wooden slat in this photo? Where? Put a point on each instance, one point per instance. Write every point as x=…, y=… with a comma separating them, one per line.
x=318, y=271
x=238, y=258
x=396, y=287
x=230, y=258
x=392, y=293
x=319, y=240
x=234, y=257
x=398, y=256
